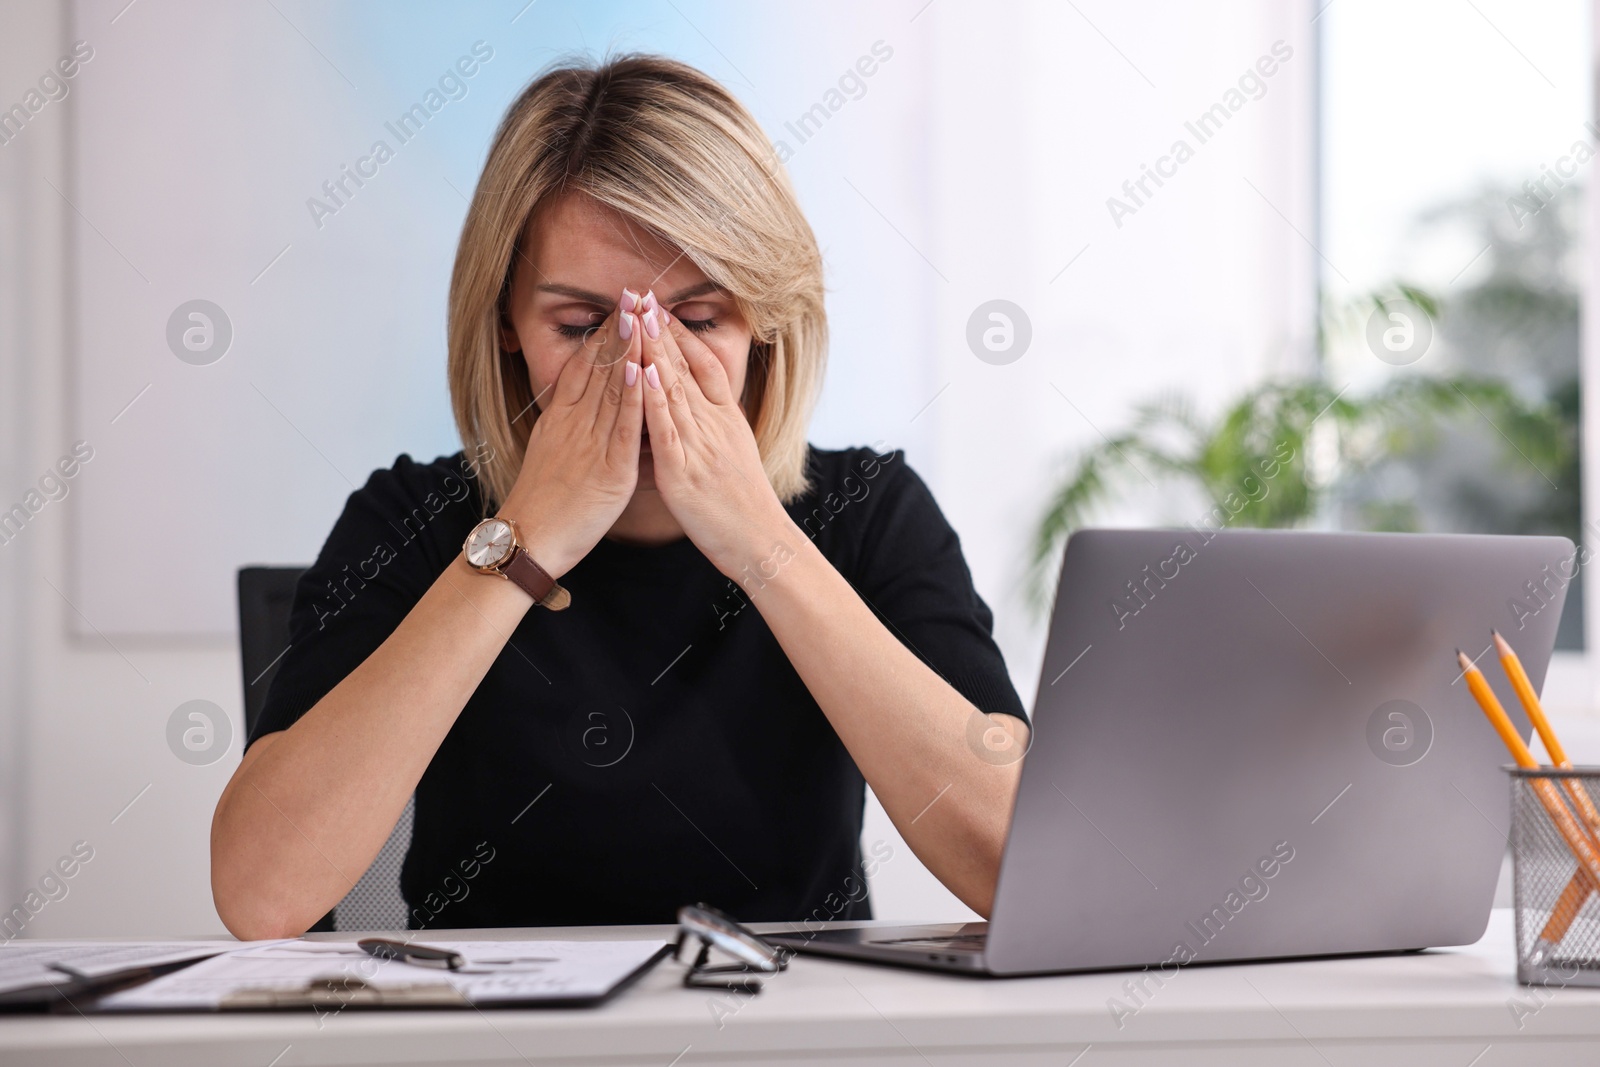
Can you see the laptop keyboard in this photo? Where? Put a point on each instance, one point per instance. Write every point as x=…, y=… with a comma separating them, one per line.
x=975, y=942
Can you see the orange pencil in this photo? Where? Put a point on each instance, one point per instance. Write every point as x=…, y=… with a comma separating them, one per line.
x=1584, y=848
x=1577, y=891
x=1547, y=734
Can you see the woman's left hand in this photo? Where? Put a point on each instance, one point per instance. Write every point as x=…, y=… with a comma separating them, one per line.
x=902, y=723
x=707, y=466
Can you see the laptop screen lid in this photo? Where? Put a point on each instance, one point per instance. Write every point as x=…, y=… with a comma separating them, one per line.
x=1254, y=744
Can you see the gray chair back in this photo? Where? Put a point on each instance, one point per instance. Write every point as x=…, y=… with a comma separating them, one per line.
x=265, y=596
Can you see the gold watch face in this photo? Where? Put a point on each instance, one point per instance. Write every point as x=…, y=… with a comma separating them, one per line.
x=489, y=544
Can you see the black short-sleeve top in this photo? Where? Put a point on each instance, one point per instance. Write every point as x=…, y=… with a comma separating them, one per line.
x=651, y=746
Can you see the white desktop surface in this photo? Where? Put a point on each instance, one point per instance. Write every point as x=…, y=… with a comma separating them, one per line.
x=1448, y=1007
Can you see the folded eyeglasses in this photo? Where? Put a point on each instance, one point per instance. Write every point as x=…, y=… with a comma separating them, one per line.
x=712, y=929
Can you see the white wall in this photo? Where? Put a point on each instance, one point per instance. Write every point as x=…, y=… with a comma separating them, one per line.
x=976, y=166
x=83, y=719
x=20, y=258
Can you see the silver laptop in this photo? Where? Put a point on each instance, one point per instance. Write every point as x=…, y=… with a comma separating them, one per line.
x=1255, y=745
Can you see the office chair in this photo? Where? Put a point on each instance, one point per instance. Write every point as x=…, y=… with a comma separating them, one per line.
x=265, y=597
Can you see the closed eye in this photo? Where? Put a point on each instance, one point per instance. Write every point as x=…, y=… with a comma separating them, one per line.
x=698, y=325
x=576, y=333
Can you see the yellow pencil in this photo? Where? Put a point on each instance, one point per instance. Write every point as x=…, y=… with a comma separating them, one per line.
x=1583, y=847
x=1578, y=888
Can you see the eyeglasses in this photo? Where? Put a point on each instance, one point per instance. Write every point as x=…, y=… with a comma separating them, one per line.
x=712, y=929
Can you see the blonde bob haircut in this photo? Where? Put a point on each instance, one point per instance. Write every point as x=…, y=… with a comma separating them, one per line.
x=674, y=152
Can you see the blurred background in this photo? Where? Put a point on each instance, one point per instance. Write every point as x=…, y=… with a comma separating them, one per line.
x=1087, y=262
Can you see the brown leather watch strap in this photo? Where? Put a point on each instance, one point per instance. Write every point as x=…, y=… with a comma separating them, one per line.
x=535, y=581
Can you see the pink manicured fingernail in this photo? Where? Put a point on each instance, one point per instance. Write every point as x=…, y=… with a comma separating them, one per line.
x=649, y=300
x=630, y=300
x=651, y=376
x=625, y=327
x=652, y=326
x=630, y=373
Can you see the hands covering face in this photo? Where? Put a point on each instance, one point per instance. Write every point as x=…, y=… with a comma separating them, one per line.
x=706, y=464
x=643, y=405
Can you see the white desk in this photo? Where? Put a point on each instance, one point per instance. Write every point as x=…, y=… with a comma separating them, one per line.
x=1448, y=1008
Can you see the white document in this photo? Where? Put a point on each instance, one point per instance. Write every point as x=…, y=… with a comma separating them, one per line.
x=26, y=963
x=495, y=971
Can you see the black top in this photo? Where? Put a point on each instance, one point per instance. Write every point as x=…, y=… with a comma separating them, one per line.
x=651, y=746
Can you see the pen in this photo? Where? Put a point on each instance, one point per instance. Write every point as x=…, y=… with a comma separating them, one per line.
x=428, y=956
x=422, y=955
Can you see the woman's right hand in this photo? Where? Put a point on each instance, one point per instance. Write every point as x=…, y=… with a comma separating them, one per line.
x=582, y=461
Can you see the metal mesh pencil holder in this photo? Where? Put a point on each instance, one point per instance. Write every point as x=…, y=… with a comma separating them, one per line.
x=1557, y=903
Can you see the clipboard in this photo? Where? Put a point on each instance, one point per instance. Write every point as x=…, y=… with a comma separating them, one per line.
x=589, y=973
x=63, y=996
x=66, y=985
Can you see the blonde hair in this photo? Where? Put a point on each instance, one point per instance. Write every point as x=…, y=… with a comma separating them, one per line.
x=672, y=150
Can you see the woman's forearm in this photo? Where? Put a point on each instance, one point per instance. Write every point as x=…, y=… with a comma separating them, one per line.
x=904, y=725
x=310, y=807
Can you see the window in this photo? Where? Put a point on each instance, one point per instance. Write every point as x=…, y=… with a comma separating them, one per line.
x=1456, y=142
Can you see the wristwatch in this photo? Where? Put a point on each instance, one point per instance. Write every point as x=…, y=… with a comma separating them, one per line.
x=494, y=548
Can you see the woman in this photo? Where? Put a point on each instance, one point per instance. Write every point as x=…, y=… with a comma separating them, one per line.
x=677, y=638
